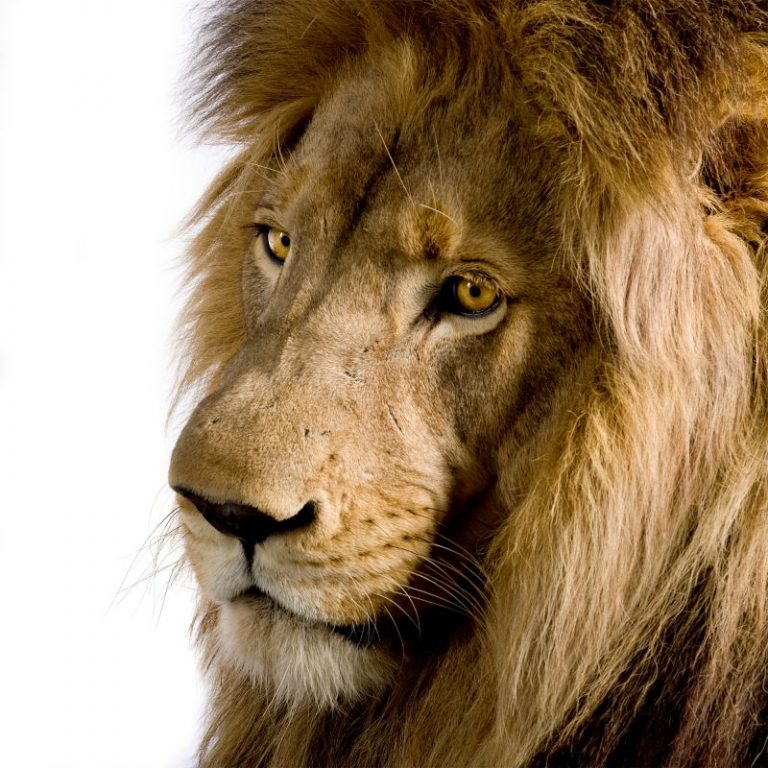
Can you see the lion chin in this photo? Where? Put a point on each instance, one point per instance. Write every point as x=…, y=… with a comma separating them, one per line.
x=303, y=663
x=478, y=322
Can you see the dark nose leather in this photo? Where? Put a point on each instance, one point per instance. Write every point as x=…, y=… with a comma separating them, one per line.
x=244, y=522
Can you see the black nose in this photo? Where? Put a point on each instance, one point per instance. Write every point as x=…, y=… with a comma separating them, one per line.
x=246, y=523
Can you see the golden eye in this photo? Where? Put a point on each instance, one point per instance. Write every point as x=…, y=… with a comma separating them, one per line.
x=474, y=297
x=277, y=243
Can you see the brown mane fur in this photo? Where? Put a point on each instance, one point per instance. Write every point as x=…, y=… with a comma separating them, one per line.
x=627, y=618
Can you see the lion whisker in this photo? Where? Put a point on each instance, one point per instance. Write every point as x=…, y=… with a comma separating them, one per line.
x=439, y=158
x=158, y=539
x=124, y=590
x=415, y=619
x=473, y=605
x=394, y=165
x=474, y=597
x=464, y=608
x=441, y=213
x=463, y=554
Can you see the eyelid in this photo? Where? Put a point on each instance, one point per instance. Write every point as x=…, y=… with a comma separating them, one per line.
x=266, y=216
x=474, y=276
x=465, y=265
x=493, y=270
x=265, y=223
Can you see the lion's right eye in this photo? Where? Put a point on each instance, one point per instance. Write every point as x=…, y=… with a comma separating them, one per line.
x=277, y=244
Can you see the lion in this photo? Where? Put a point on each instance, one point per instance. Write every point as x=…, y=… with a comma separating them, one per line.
x=478, y=336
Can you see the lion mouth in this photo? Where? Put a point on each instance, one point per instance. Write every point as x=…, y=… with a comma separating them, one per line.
x=371, y=633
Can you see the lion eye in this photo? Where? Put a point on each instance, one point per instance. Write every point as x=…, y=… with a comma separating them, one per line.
x=277, y=244
x=472, y=297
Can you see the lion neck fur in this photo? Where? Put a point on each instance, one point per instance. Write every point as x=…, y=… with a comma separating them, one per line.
x=640, y=537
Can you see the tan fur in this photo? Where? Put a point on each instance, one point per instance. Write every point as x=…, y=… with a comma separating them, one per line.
x=582, y=476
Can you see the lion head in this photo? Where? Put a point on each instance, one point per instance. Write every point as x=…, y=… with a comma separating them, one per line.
x=478, y=318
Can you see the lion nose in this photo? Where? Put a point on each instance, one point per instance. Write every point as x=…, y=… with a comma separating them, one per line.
x=244, y=522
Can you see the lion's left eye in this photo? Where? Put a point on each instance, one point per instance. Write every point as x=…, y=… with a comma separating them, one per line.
x=277, y=244
x=470, y=296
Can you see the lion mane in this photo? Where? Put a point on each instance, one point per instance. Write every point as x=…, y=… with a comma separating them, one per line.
x=626, y=586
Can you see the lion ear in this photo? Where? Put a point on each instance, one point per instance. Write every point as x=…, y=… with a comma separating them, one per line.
x=630, y=80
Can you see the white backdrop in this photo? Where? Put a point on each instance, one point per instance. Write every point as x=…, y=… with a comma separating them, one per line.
x=94, y=180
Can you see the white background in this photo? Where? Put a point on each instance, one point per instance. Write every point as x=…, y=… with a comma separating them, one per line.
x=94, y=180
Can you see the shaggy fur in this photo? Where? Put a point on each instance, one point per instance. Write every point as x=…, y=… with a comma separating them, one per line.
x=625, y=613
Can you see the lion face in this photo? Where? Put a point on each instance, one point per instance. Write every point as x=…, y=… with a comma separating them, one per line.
x=404, y=322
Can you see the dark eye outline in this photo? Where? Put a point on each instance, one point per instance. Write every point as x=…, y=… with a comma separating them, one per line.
x=447, y=300
x=263, y=231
